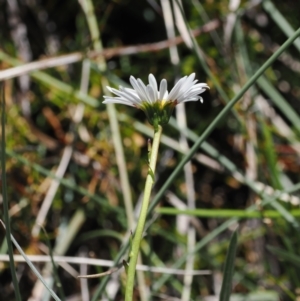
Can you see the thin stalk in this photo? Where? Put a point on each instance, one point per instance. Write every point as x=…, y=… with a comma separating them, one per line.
x=33, y=268
x=143, y=214
x=56, y=277
x=5, y=200
x=225, y=213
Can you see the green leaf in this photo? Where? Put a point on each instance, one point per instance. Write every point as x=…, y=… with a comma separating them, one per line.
x=228, y=269
x=270, y=155
x=285, y=255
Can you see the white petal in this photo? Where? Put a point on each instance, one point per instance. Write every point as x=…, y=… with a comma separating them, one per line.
x=137, y=88
x=163, y=89
x=188, y=83
x=151, y=94
x=112, y=90
x=186, y=89
x=191, y=99
x=118, y=100
x=201, y=85
x=153, y=84
x=145, y=91
x=130, y=94
x=175, y=92
x=190, y=90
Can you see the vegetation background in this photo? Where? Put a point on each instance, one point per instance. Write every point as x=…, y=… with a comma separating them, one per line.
x=78, y=167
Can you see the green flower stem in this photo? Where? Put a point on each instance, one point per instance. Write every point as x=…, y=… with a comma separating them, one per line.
x=142, y=218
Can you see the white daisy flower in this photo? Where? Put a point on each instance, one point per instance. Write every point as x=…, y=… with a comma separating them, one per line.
x=158, y=104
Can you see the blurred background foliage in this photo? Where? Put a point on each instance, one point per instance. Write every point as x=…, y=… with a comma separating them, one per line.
x=260, y=138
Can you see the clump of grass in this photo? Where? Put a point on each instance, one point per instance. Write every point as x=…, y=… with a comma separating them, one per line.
x=241, y=145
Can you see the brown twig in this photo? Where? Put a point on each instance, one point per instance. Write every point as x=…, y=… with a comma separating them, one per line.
x=109, y=272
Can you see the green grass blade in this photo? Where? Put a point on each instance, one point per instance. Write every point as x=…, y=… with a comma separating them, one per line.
x=5, y=199
x=205, y=240
x=221, y=115
x=64, y=182
x=58, y=282
x=35, y=271
x=284, y=212
x=280, y=102
x=280, y=20
x=201, y=244
x=225, y=213
x=287, y=256
x=100, y=289
x=202, y=62
x=229, y=269
x=233, y=169
x=268, y=149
